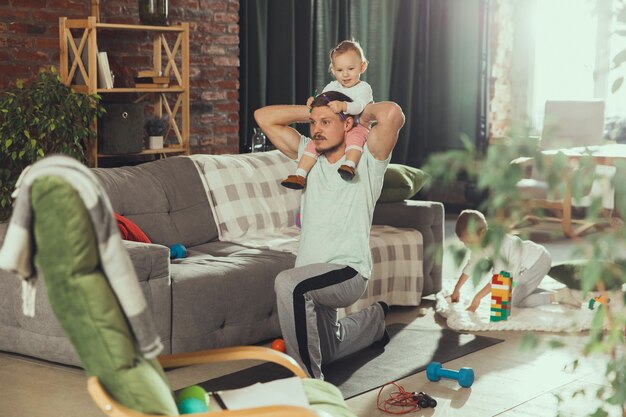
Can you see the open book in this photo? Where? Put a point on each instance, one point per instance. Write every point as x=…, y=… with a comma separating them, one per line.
x=287, y=391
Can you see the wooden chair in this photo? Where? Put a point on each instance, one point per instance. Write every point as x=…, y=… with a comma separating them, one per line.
x=121, y=380
x=567, y=124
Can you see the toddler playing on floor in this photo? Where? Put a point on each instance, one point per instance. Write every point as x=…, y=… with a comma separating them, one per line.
x=347, y=64
x=527, y=262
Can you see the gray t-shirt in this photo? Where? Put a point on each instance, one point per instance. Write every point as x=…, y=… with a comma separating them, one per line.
x=337, y=214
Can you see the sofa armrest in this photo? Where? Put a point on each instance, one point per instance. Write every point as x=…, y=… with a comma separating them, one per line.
x=152, y=265
x=151, y=261
x=428, y=218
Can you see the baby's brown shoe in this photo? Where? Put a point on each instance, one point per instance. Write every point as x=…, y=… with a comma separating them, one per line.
x=346, y=172
x=295, y=182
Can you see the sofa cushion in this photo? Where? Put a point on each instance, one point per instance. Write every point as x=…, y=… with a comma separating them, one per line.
x=84, y=303
x=245, y=192
x=165, y=198
x=401, y=182
x=244, y=277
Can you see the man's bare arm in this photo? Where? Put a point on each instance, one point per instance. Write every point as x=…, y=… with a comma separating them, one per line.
x=274, y=121
x=383, y=137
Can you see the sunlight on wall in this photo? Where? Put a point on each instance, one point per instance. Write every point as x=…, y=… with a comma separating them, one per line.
x=565, y=53
x=575, y=42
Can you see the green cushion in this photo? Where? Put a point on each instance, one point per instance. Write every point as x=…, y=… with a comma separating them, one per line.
x=571, y=273
x=85, y=305
x=326, y=397
x=401, y=182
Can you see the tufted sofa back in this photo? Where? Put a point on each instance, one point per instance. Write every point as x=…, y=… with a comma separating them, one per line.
x=165, y=198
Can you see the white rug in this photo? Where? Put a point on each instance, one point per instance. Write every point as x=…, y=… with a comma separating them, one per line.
x=549, y=318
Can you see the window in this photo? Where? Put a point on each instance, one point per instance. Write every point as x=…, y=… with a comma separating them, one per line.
x=570, y=55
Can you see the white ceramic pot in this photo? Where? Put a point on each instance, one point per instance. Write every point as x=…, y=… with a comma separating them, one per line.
x=155, y=142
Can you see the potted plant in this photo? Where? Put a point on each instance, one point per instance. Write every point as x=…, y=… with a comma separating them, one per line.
x=155, y=128
x=41, y=117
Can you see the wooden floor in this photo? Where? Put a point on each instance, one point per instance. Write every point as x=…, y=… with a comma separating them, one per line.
x=509, y=381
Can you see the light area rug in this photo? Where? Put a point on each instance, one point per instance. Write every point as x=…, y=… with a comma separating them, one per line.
x=548, y=318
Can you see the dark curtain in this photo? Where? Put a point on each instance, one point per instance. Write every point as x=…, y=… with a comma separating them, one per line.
x=429, y=56
x=284, y=53
x=276, y=46
x=439, y=72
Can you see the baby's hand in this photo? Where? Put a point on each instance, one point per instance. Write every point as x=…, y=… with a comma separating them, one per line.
x=309, y=102
x=337, y=106
x=472, y=307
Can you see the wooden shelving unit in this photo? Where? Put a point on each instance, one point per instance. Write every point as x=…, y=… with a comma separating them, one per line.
x=77, y=34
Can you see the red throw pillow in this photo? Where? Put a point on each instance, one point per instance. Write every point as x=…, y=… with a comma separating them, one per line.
x=130, y=231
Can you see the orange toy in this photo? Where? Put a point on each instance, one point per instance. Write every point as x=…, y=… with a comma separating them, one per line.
x=279, y=345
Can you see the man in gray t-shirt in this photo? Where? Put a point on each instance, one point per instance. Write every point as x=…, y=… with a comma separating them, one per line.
x=334, y=259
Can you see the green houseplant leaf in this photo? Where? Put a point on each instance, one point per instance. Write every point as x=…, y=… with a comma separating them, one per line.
x=498, y=171
x=40, y=117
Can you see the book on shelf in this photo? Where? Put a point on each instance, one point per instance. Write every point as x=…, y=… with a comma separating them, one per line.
x=148, y=73
x=152, y=85
x=105, y=78
x=152, y=80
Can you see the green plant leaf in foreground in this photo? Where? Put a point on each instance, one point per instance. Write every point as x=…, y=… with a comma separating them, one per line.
x=497, y=173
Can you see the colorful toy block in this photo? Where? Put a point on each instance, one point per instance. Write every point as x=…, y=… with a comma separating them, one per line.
x=598, y=299
x=501, y=289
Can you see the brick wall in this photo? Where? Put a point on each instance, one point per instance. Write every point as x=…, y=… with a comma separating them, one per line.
x=500, y=85
x=29, y=39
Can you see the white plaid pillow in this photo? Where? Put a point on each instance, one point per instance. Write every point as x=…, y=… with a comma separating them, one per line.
x=245, y=192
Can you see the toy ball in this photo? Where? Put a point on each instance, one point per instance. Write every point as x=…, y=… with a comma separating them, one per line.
x=279, y=345
x=193, y=391
x=177, y=251
x=191, y=406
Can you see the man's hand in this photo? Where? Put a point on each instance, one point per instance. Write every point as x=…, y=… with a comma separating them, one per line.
x=309, y=102
x=338, y=106
x=275, y=122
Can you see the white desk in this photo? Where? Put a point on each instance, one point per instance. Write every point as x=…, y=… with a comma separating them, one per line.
x=602, y=155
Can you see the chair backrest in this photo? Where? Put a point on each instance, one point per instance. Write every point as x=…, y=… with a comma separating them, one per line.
x=570, y=124
x=82, y=299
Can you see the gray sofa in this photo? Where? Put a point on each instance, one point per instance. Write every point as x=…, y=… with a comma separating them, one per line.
x=221, y=294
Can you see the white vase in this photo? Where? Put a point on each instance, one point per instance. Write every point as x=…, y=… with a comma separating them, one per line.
x=155, y=142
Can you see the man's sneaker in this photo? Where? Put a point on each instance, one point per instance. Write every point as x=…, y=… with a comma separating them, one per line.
x=295, y=182
x=346, y=172
x=384, y=306
x=382, y=342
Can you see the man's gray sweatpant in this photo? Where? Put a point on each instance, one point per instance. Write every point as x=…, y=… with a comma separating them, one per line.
x=308, y=299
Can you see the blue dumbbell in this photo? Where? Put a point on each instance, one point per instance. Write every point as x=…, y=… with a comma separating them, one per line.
x=464, y=376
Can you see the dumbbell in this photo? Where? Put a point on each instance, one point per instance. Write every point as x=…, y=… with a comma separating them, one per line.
x=464, y=376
